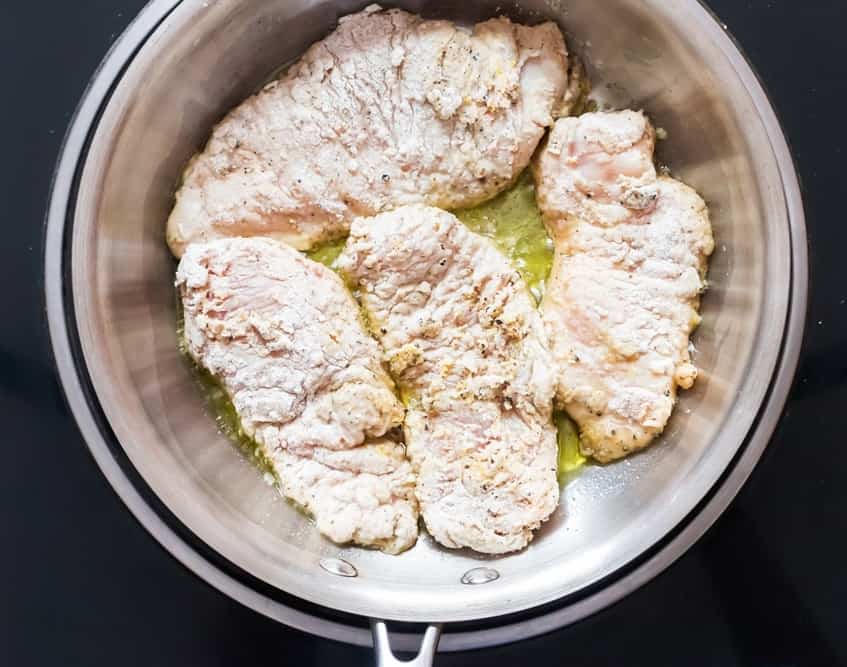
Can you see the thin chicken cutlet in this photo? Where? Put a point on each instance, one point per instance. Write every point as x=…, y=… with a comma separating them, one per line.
x=465, y=342
x=631, y=252
x=283, y=336
x=390, y=109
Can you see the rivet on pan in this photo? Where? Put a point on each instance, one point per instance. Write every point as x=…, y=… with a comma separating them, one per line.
x=480, y=575
x=338, y=567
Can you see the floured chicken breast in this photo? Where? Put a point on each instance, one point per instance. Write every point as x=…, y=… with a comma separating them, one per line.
x=467, y=347
x=622, y=298
x=388, y=110
x=283, y=336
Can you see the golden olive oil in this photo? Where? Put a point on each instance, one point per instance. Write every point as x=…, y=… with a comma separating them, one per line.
x=570, y=460
x=512, y=220
x=327, y=253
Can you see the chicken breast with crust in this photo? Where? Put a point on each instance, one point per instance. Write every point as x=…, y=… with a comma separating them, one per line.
x=465, y=343
x=390, y=109
x=284, y=338
x=631, y=252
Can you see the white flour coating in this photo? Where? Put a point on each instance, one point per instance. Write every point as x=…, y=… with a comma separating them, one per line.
x=388, y=110
x=623, y=295
x=463, y=338
x=283, y=336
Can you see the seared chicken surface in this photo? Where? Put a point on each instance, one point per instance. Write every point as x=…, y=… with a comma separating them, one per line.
x=390, y=109
x=466, y=344
x=623, y=295
x=284, y=337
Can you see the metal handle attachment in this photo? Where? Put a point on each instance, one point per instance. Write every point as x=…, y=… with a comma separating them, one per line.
x=385, y=656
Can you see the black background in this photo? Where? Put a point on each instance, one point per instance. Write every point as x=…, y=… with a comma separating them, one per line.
x=81, y=583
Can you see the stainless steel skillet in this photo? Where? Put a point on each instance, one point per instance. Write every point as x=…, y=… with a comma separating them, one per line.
x=108, y=278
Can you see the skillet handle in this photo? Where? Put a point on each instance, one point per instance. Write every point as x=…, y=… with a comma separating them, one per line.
x=385, y=656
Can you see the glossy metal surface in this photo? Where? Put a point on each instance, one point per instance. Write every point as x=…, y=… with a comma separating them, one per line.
x=386, y=658
x=669, y=58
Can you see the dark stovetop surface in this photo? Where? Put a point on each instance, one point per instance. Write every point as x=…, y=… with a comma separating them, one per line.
x=83, y=584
